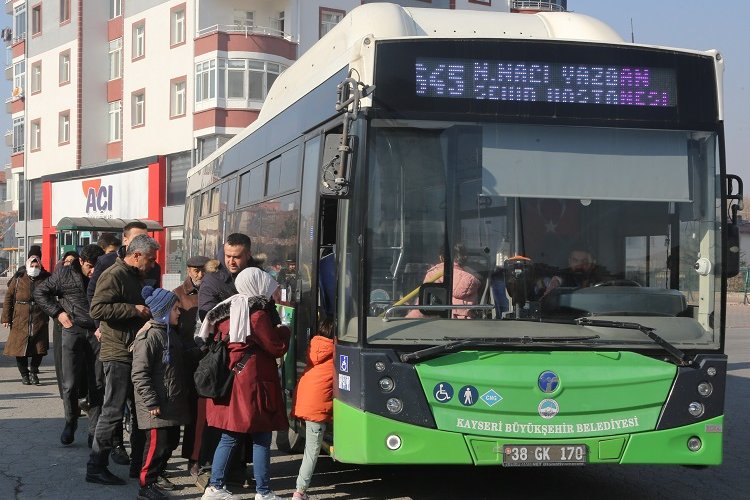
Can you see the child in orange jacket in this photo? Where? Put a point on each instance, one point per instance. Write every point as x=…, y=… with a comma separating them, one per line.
x=313, y=401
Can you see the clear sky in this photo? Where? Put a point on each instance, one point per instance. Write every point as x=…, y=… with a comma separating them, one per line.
x=688, y=24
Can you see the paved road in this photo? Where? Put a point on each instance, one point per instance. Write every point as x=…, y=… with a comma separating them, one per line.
x=33, y=463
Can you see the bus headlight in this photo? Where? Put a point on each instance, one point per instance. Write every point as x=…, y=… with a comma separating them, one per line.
x=393, y=442
x=705, y=389
x=694, y=443
x=696, y=409
x=387, y=384
x=394, y=405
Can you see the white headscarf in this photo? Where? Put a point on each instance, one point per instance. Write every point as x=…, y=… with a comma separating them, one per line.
x=251, y=282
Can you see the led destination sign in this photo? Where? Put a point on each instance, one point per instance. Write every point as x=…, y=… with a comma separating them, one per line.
x=520, y=81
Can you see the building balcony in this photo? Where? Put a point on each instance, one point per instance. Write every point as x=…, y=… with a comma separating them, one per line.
x=15, y=103
x=538, y=5
x=245, y=38
x=245, y=30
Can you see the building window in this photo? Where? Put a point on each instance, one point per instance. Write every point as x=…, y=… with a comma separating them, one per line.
x=177, y=34
x=19, y=78
x=244, y=19
x=205, y=80
x=21, y=200
x=482, y=2
x=36, y=20
x=177, y=97
x=36, y=77
x=328, y=19
x=236, y=79
x=36, y=134
x=64, y=11
x=278, y=24
x=115, y=111
x=65, y=67
x=35, y=199
x=138, y=112
x=177, y=169
x=18, y=137
x=115, y=8
x=63, y=133
x=139, y=40
x=115, y=59
x=19, y=22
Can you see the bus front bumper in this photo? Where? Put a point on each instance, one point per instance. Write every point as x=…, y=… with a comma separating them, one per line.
x=364, y=438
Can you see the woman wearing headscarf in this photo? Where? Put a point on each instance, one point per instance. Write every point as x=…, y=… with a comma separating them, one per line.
x=28, y=340
x=251, y=325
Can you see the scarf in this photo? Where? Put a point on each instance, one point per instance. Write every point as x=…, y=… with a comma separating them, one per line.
x=254, y=290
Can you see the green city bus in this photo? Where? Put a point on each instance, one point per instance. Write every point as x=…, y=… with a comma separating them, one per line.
x=427, y=177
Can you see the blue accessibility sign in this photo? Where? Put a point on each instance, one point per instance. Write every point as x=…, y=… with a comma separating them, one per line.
x=343, y=363
x=443, y=392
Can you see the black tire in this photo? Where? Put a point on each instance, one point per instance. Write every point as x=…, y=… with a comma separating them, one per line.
x=291, y=441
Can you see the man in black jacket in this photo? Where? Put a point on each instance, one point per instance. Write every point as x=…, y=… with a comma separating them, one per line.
x=153, y=278
x=219, y=286
x=63, y=297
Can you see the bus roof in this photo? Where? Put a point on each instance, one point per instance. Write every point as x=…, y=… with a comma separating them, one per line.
x=341, y=47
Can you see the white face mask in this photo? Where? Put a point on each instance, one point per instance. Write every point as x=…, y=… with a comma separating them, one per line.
x=34, y=271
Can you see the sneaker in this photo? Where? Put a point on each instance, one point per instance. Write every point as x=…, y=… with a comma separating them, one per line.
x=68, y=433
x=299, y=495
x=151, y=492
x=164, y=483
x=25, y=380
x=214, y=493
x=120, y=456
x=268, y=496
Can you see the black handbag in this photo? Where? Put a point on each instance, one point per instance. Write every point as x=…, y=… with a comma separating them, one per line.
x=213, y=379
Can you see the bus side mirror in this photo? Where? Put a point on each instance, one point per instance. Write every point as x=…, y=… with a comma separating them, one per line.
x=336, y=168
x=732, y=265
x=735, y=198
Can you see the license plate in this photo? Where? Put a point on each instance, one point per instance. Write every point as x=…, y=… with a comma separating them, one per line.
x=541, y=455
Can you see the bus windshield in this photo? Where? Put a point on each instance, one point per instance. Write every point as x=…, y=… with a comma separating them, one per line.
x=470, y=225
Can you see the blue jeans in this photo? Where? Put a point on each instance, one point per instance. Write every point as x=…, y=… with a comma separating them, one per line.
x=261, y=459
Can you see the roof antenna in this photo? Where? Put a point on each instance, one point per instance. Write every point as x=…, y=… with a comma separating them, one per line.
x=632, y=33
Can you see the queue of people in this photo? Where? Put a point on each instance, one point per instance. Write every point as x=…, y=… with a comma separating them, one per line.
x=129, y=345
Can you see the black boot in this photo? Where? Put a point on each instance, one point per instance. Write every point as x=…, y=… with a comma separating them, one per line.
x=102, y=475
x=68, y=433
x=25, y=379
x=34, y=378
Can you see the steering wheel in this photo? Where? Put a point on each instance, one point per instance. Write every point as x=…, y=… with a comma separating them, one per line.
x=618, y=283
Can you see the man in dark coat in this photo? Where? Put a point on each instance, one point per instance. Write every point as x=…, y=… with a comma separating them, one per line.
x=219, y=286
x=113, y=250
x=121, y=310
x=63, y=296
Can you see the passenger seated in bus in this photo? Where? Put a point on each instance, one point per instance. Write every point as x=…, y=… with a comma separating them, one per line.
x=465, y=284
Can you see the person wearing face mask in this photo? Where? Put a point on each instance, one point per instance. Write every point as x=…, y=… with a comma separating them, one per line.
x=28, y=340
x=187, y=302
x=63, y=297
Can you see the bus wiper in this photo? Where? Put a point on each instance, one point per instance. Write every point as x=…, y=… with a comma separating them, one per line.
x=464, y=344
x=681, y=357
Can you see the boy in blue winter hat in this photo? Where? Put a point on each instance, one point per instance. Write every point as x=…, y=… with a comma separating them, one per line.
x=160, y=390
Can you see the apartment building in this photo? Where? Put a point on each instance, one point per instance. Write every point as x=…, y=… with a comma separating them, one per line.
x=113, y=101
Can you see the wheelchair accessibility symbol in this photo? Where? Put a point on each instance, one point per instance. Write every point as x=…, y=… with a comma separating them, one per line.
x=443, y=392
x=343, y=363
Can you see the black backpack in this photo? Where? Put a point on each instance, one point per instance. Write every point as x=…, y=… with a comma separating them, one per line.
x=213, y=379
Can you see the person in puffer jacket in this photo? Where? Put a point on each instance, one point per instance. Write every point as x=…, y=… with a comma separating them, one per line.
x=465, y=284
x=313, y=401
x=63, y=296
